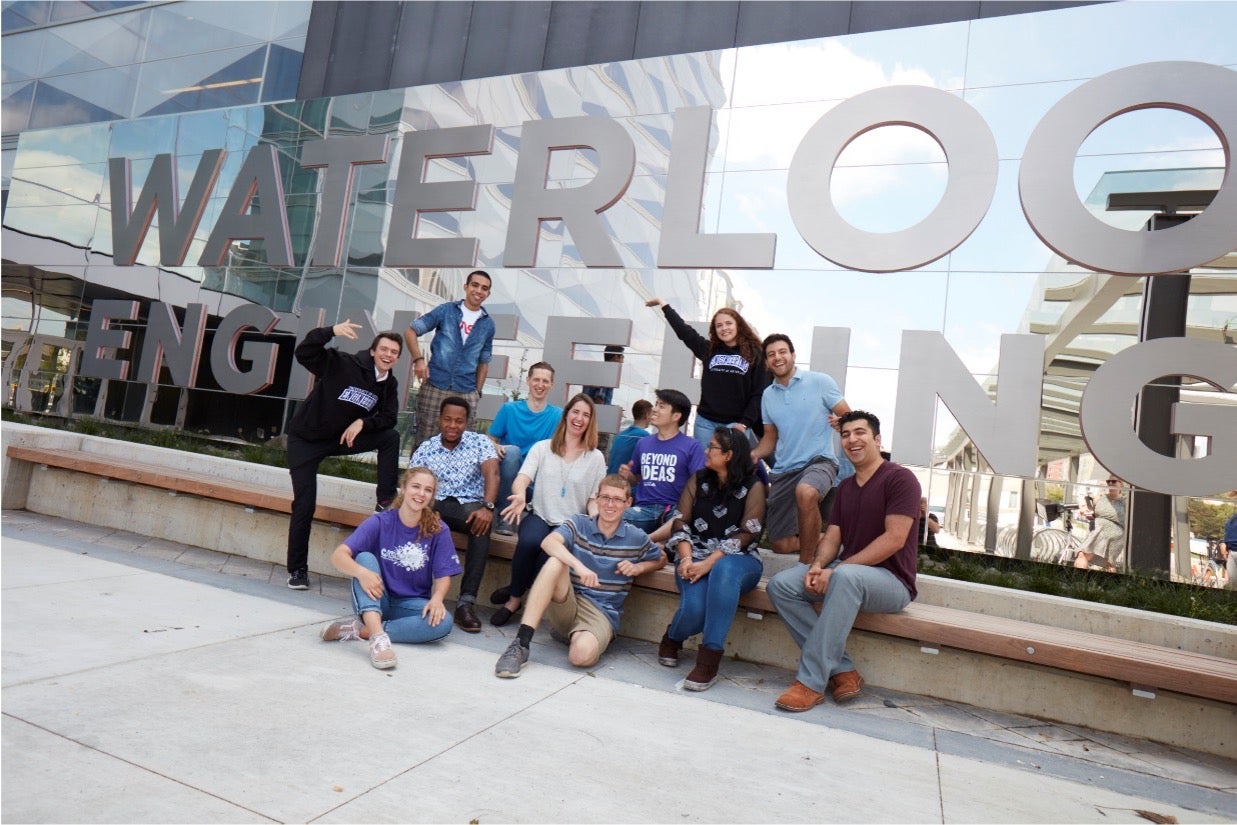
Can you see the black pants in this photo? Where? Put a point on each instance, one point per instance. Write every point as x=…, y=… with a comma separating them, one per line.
x=455, y=514
x=303, y=460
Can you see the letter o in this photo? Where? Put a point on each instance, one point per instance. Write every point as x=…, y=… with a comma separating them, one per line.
x=969, y=148
x=1046, y=179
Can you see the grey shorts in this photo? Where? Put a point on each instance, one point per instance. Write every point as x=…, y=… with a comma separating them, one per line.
x=781, y=514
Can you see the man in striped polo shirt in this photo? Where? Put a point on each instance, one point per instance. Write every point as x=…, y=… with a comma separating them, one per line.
x=593, y=561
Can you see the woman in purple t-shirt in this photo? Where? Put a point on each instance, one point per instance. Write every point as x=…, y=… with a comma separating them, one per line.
x=401, y=562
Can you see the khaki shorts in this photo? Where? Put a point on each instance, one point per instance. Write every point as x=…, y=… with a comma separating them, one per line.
x=579, y=613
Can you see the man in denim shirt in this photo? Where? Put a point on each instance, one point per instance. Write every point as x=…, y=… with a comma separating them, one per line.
x=459, y=354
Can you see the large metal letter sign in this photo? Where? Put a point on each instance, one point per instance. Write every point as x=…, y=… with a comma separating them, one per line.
x=576, y=206
x=682, y=244
x=159, y=192
x=1109, y=432
x=1046, y=179
x=165, y=342
x=223, y=355
x=340, y=156
x=413, y=195
x=100, y=336
x=562, y=335
x=1005, y=430
x=258, y=178
x=962, y=134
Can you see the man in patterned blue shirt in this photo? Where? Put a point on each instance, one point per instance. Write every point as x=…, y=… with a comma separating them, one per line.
x=467, y=468
x=593, y=561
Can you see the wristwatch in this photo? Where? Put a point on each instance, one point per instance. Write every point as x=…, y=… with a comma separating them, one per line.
x=489, y=505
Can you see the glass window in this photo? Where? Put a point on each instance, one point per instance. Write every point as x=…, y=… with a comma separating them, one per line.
x=283, y=73
x=22, y=53
x=95, y=44
x=16, y=108
x=73, y=9
x=106, y=94
x=202, y=81
x=24, y=13
x=179, y=29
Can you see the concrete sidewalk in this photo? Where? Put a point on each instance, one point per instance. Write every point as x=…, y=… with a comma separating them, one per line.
x=145, y=681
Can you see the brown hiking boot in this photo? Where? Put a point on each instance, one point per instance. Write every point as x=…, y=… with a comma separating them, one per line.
x=668, y=651
x=704, y=674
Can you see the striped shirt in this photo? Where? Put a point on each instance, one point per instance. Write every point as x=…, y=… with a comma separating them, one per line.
x=602, y=555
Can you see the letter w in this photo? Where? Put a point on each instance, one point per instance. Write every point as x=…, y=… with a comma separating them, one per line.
x=176, y=226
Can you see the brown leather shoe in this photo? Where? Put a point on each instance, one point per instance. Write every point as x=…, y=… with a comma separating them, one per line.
x=466, y=618
x=846, y=686
x=799, y=697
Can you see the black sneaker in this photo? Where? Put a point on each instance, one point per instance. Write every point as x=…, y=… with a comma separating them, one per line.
x=382, y=505
x=299, y=580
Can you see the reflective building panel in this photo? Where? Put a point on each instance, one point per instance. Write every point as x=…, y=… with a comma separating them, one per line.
x=597, y=174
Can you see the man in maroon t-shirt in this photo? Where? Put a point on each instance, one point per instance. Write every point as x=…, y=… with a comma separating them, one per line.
x=866, y=560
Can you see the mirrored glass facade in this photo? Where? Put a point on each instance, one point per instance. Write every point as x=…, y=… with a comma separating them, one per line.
x=153, y=95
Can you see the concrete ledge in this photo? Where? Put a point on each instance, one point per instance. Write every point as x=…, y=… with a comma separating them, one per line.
x=899, y=664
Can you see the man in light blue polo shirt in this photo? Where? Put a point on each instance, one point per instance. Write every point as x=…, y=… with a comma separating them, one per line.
x=798, y=410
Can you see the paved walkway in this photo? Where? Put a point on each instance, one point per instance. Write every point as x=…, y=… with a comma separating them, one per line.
x=146, y=681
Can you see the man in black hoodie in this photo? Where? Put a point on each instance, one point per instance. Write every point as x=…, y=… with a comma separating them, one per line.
x=352, y=409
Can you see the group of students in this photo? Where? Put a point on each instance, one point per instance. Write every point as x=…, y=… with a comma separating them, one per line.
x=586, y=532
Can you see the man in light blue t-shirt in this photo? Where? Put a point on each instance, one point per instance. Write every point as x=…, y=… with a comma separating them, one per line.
x=518, y=426
x=798, y=410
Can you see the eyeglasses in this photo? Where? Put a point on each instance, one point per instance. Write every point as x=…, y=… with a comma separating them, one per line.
x=611, y=500
x=1114, y=481
x=715, y=447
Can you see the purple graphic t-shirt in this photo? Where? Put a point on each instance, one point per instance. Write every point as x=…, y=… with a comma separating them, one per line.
x=664, y=467
x=408, y=561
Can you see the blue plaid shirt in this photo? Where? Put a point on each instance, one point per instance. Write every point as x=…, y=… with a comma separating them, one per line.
x=458, y=470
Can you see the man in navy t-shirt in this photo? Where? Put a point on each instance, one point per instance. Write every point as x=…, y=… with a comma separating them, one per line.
x=866, y=560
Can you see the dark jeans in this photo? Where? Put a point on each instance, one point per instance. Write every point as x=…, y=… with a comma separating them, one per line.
x=303, y=460
x=529, y=557
x=455, y=514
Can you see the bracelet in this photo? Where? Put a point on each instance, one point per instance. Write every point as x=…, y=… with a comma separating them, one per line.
x=418, y=358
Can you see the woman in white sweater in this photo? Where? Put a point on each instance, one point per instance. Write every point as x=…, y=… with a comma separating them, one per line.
x=563, y=472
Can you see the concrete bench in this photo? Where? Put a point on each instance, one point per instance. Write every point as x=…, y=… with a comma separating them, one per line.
x=1146, y=668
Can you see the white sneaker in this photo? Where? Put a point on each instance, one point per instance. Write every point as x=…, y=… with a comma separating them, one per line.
x=381, y=655
x=344, y=630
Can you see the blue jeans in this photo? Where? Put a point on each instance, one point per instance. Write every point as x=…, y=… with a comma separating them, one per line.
x=648, y=517
x=508, y=469
x=703, y=431
x=852, y=587
x=708, y=604
x=401, y=616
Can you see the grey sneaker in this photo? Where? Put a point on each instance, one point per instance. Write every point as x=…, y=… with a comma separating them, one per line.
x=381, y=655
x=512, y=661
x=343, y=630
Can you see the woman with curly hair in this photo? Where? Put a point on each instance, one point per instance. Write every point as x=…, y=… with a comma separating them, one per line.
x=734, y=375
x=563, y=471
x=401, y=562
x=718, y=523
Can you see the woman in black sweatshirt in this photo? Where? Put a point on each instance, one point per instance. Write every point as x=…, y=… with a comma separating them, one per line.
x=734, y=375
